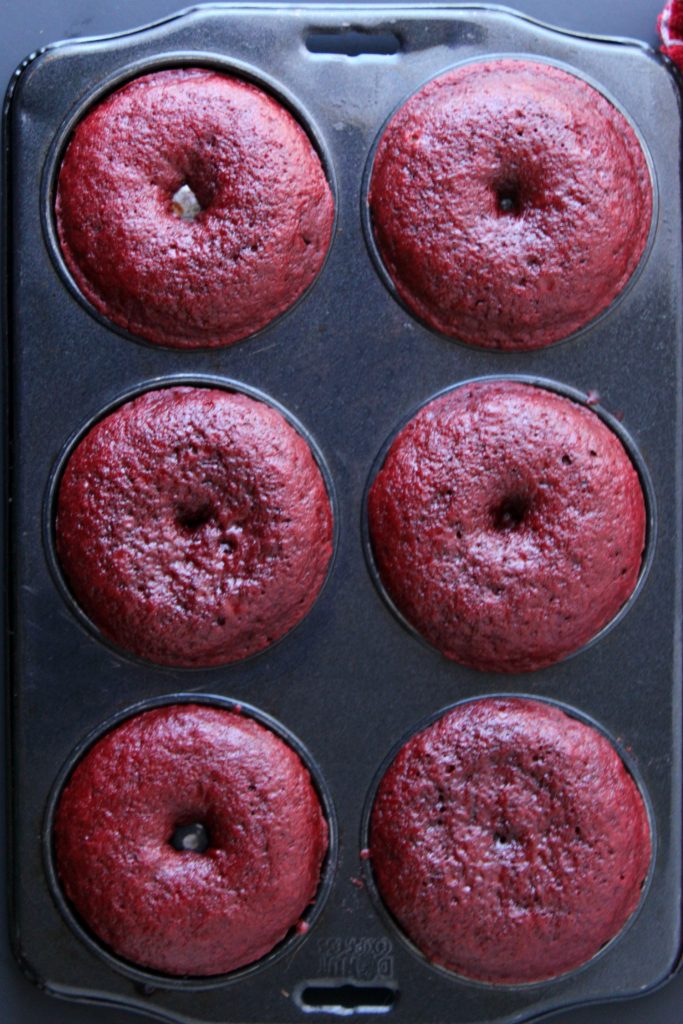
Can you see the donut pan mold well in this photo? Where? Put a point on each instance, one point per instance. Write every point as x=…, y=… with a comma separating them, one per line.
x=350, y=364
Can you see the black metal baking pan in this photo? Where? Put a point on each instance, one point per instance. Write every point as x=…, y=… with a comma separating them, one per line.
x=349, y=363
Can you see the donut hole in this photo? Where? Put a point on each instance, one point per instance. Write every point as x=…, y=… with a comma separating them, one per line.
x=196, y=189
x=193, y=517
x=231, y=540
x=506, y=833
x=191, y=838
x=184, y=203
x=511, y=512
x=509, y=196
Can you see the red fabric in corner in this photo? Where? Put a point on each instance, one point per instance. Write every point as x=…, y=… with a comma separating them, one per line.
x=670, y=25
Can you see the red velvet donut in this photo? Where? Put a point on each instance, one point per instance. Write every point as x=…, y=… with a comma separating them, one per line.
x=193, y=526
x=508, y=525
x=511, y=203
x=255, y=245
x=509, y=841
x=181, y=911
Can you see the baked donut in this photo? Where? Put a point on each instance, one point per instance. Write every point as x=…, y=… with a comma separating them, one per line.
x=511, y=202
x=507, y=524
x=184, y=907
x=193, y=526
x=191, y=208
x=509, y=842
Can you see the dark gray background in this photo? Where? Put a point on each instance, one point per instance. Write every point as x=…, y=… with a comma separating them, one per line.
x=28, y=26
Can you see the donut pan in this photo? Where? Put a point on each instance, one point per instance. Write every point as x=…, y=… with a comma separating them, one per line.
x=350, y=364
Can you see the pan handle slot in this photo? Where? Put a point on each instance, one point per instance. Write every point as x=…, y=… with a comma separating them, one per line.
x=353, y=43
x=344, y=998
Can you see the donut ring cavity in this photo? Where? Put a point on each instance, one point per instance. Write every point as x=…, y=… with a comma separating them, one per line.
x=258, y=240
x=511, y=202
x=193, y=526
x=507, y=525
x=186, y=913
x=509, y=841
